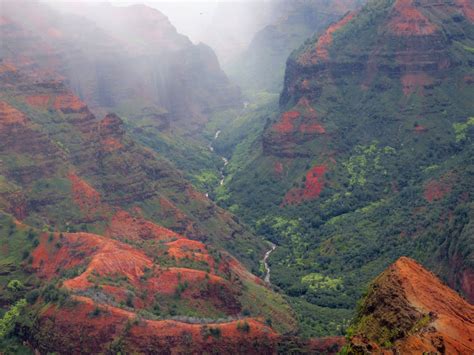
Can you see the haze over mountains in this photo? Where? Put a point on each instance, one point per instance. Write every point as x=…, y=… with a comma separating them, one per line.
x=283, y=188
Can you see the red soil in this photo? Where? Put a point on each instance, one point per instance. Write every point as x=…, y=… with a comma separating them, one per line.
x=104, y=257
x=169, y=210
x=169, y=206
x=313, y=186
x=10, y=115
x=111, y=144
x=312, y=128
x=407, y=20
x=324, y=42
x=286, y=123
x=454, y=317
x=420, y=129
x=469, y=79
x=232, y=265
x=467, y=7
x=413, y=83
x=105, y=260
x=84, y=195
x=48, y=260
x=278, y=168
x=303, y=109
x=436, y=190
x=168, y=280
x=195, y=195
x=6, y=67
x=321, y=51
x=69, y=103
x=305, y=84
x=108, y=258
x=83, y=333
x=189, y=249
x=125, y=226
x=39, y=101
x=321, y=345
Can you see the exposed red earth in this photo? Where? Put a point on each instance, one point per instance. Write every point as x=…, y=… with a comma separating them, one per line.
x=436, y=190
x=420, y=129
x=314, y=184
x=124, y=225
x=413, y=83
x=286, y=124
x=408, y=20
x=84, y=195
x=10, y=116
x=321, y=50
x=78, y=331
x=430, y=317
x=468, y=8
x=278, y=168
x=303, y=118
x=113, y=268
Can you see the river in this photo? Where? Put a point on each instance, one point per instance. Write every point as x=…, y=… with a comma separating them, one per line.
x=265, y=263
x=211, y=148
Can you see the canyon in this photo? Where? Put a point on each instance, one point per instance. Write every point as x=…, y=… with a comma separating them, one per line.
x=314, y=196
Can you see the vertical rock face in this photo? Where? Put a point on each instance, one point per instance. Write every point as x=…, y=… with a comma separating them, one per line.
x=262, y=65
x=115, y=58
x=409, y=310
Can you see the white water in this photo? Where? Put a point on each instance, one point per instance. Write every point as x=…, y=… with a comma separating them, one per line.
x=265, y=263
x=211, y=148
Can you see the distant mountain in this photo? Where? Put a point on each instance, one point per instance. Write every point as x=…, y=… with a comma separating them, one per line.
x=371, y=154
x=262, y=65
x=115, y=58
x=408, y=310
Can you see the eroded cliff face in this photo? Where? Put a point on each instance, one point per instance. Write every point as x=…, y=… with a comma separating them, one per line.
x=63, y=167
x=118, y=58
x=409, y=310
x=409, y=49
x=156, y=274
x=262, y=65
x=374, y=125
x=385, y=73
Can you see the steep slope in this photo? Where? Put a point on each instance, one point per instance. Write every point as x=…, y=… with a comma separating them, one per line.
x=370, y=155
x=262, y=65
x=125, y=283
x=131, y=61
x=156, y=290
x=63, y=168
x=409, y=310
x=125, y=56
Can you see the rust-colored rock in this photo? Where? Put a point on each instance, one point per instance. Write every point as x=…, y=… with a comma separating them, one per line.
x=409, y=310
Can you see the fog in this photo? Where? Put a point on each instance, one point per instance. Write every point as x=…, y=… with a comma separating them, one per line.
x=227, y=26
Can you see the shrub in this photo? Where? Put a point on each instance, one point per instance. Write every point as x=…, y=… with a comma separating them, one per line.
x=15, y=286
x=243, y=327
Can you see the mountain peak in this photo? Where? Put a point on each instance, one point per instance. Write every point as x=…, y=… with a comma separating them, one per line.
x=409, y=309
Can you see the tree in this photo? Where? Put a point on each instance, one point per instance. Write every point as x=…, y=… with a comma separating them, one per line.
x=7, y=323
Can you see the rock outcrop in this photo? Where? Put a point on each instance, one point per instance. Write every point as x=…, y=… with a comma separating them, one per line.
x=409, y=310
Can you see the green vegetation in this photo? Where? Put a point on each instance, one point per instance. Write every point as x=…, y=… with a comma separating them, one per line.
x=398, y=158
x=7, y=323
x=461, y=129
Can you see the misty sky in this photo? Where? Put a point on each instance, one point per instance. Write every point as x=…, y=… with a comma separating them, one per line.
x=225, y=25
